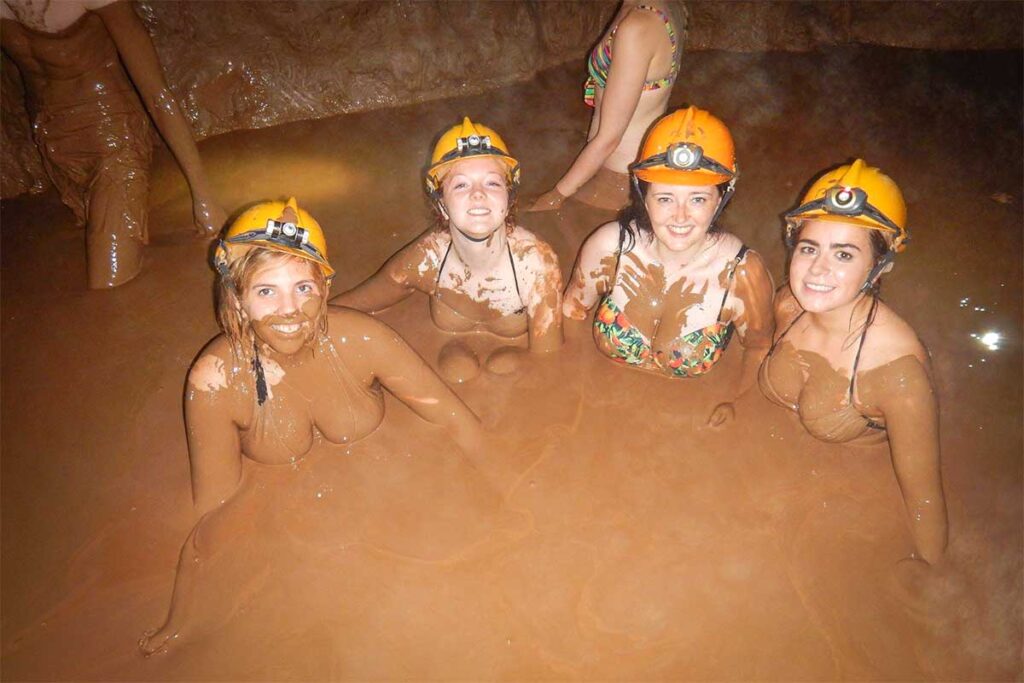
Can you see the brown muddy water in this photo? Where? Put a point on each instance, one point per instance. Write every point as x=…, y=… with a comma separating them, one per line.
x=628, y=541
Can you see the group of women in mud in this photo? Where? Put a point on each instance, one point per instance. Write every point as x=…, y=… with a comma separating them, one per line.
x=670, y=291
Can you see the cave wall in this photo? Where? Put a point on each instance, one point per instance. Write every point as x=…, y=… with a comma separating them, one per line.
x=254, y=64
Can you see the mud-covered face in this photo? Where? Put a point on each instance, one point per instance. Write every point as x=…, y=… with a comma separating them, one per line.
x=475, y=195
x=681, y=214
x=830, y=264
x=282, y=302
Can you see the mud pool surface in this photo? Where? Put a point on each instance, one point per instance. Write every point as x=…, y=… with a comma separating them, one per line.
x=628, y=542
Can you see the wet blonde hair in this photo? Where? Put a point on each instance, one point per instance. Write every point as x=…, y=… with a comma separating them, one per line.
x=230, y=313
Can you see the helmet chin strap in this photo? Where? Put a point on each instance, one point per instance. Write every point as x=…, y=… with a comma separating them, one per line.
x=726, y=196
x=877, y=271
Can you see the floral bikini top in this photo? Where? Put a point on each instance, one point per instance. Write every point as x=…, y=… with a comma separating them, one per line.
x=600, y=62
x=691, y=354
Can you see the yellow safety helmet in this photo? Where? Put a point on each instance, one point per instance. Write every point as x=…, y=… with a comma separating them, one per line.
x=465, y=140
x=276, y=225
x=857, y=194
x=687, y=147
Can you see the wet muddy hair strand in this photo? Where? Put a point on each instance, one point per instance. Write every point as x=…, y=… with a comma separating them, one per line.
x=230, y=313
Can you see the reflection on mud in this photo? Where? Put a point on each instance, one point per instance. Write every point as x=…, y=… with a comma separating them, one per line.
x=615, y=536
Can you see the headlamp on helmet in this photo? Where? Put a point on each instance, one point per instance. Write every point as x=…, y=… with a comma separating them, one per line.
x=846, y=201
x=286, y=234
x=684, y=156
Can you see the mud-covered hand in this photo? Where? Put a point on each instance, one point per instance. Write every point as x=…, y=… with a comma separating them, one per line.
x=722, y=414
x=207, y=215
x=549, y=201
x=645, y=287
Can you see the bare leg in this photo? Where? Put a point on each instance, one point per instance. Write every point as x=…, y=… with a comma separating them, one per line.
x=117, y=224
x=225, y=559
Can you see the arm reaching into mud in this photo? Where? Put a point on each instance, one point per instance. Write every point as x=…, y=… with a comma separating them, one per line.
x=136, y=50
x=544, y=302
x=592, y=275
x=407, y=376
x=907, y=400
x=396, y=280
x=633, y=55
x=754, y=317
x=214, y=448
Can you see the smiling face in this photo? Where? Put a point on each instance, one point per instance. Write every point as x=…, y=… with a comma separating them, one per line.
x=283, y=302
x=475, y=195
x=681, y=214
x=831, y=262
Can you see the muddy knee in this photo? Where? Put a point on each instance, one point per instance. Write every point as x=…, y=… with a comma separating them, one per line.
x=457, y=363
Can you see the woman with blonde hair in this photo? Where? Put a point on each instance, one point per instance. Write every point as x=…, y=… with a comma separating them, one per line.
x=483, y=272
x=286, y=369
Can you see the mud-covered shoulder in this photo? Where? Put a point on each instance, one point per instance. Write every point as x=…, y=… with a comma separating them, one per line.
x=417, y=263
x=531, y=250
x=215, y=370
x=890, y=338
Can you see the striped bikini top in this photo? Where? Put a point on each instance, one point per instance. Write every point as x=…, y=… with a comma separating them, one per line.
x=600, y=62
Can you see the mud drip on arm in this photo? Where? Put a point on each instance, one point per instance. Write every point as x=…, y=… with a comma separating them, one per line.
x=752, y=313
x=902, y=391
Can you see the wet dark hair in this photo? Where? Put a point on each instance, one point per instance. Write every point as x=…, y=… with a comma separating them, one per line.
x=635, y=214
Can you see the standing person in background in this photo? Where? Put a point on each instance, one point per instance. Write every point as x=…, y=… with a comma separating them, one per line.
x=631, y=73
x=81, y=62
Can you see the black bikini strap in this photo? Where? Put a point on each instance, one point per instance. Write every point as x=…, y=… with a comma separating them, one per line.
x=732, y=273
x=785, y=332
x=444, y=259
x=515, y=277
x=860, y=347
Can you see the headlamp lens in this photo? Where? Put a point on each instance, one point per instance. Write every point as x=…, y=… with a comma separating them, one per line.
x=846, y=201
x=684, y=156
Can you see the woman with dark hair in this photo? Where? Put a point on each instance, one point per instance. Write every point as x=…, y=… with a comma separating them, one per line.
x=845, y=363
x=670, y=287
x=482, y=271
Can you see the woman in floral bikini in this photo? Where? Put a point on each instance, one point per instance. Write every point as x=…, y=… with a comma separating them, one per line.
x=670, y=287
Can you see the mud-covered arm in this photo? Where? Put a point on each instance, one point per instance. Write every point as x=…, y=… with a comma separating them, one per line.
x=754, y=317
x=544, y=301
x=907, y=400
x=214, y=448
x=633, y=55
x=407, y=376
x=409, y=269
x=593, y=272
x=136, y=50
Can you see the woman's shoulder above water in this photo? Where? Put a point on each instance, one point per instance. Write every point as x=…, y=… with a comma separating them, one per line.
x=890, y=338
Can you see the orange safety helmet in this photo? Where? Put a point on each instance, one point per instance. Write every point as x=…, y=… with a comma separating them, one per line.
x=857, y=194
x=280, y=226
x=687, y=147
x=465, y=140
